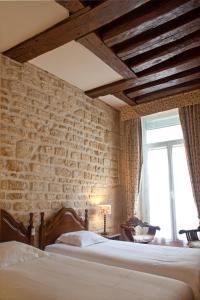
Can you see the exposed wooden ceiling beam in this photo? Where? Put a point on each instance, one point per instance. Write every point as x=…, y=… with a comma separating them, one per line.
x=125, y=98
x=131, y=83
x=153, y=17
x=111, y=88
x=169, y=92
x=73, y=28
x=164, y=80
x=96, y=45
x=92, y=3
x=159, y=55
x=72, y=5
x=149, y=43
x=165, y=85
x=172, y=62
x=75, y=7
x=92, y=42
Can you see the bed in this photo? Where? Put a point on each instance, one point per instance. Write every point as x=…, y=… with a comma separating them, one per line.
x=29, y=273
x=177, y=263
x=56, y=277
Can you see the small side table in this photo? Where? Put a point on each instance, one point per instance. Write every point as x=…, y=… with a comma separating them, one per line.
x=112, y=236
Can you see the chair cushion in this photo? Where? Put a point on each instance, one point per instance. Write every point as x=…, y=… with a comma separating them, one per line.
x=194, y=244
x=143, y=238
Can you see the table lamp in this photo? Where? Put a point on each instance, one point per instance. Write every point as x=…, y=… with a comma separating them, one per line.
x=105, y=209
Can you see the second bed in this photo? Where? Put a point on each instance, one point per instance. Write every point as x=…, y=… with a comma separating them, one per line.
x=179, y=263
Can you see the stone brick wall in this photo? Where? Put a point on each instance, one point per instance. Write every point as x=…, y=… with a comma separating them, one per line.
x=57, y=147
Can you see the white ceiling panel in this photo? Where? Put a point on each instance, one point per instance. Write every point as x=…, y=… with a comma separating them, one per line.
x=77, y=65
x=72, y=62
x=20, y=20
x=113, y=101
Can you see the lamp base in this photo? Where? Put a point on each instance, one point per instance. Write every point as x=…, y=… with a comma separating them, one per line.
x=104, y=233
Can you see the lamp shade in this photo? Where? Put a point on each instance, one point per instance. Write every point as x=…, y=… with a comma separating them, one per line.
x=105, y=209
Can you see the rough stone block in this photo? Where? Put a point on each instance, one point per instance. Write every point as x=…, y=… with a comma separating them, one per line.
x=14, y=165
x=22, y=206
x=2, y=195
x=12, y=185
x=25, y=149
x=38, y=186
x=63, y=172
x=6, y=151
x=60, y=151
x=55, y=187
x=5, y=205
x=56, y=205
x=42, y=205
x=14, y=196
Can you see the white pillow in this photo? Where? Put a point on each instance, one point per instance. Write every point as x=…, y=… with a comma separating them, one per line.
x=81, y=238
x=14, y=252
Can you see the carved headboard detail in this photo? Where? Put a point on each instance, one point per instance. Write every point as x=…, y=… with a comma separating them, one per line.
x=11, y=230
x=65, y=220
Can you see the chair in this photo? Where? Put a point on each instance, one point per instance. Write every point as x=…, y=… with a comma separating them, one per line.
x=192, y=237
x=129, y=231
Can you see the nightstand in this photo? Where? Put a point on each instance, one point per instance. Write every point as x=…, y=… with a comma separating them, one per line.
x=112, y=236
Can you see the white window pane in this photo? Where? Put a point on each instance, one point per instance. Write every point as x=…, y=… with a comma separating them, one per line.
x=164, y=134
x=159, y=201
x=186, y=212
x=170, y=200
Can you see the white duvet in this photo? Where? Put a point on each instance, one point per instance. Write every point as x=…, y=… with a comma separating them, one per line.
x=178, y=263
x=55, y=277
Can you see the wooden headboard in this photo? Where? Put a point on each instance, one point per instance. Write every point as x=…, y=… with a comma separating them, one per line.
x=11, y=230
x=65, y=220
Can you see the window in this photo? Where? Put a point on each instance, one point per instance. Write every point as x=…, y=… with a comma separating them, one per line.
x=168, y=199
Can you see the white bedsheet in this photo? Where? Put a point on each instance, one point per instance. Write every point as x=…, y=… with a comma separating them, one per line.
x=56, y=277
x=178, y=263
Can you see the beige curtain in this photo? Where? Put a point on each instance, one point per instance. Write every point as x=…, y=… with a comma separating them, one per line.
x=131, y=163
x=190, y=122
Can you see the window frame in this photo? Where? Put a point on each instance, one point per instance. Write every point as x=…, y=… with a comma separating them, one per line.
x=168, y=146
x=145, y=204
